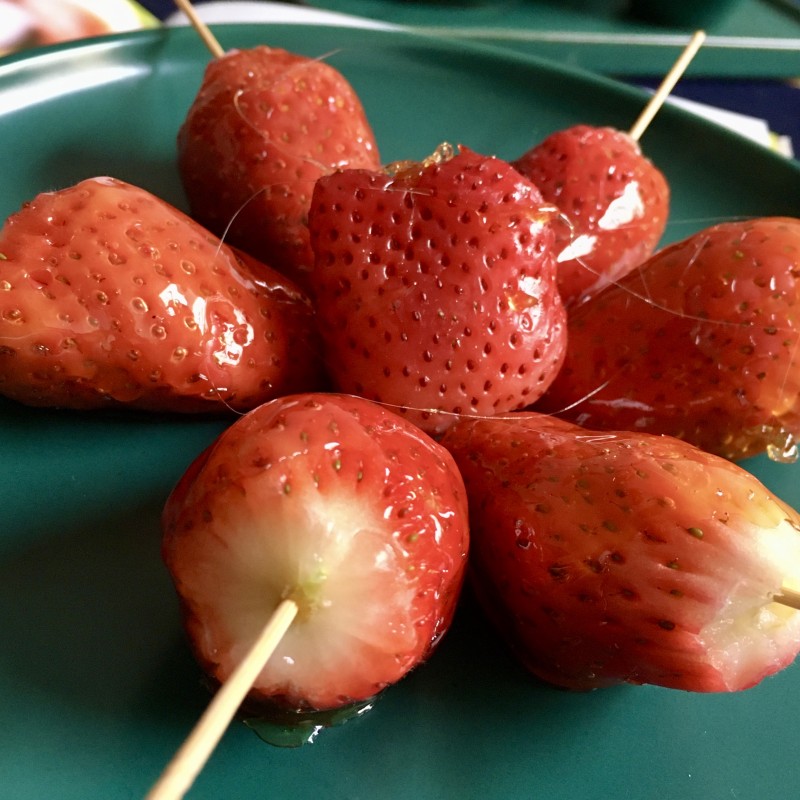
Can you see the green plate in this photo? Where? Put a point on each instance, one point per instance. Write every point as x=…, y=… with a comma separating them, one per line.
x=747, y=38
x=98, y=688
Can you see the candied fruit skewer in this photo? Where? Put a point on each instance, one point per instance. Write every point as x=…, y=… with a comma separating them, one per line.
x=348, y=511
x=264, y=126
x=614, y=201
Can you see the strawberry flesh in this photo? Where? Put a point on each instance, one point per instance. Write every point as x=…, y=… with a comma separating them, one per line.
x=435, y=286
x=264, y=126
x=615, y=203
x=340, y=505
x=626, y=557
x=109, y=296
x=701, y=342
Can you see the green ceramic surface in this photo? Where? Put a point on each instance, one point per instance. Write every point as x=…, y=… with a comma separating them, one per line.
x=97, y=688
x=747, y=38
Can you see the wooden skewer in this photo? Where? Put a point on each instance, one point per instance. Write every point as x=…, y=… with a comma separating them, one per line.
x=667, y=85
x=788, y=597
x=189, y=760
x=202, y=29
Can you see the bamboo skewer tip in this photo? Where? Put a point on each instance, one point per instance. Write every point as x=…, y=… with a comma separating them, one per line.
x=210, y=41
x=667, y=85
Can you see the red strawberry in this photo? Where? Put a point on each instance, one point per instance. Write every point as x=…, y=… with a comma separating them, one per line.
x=110, y=296
x=615, y=204
x=700, y=343
x=626, y=557
x=342, y=506
x=436, y=285
x=264, y=126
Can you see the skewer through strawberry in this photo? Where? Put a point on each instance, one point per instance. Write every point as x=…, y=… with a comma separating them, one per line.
x=614, y=200
x=627, y=557
x=263, y=127
x=344, y=509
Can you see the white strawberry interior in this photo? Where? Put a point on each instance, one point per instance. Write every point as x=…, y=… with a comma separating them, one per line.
x=753, y=637
x=354, y=629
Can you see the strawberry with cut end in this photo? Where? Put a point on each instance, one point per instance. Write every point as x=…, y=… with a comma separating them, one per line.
x=109, y=296
x=340, y=505
x=264, y=126
x=435, y=285
x=701, y=342
x=614, y=201
x=626, y=557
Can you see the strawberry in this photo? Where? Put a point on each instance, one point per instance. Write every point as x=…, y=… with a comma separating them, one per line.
x=110, y=296
x=263, y=127
x=614, y=201
x=435, y=285
x=344, y=507
x=626, y=557
x=701, y=343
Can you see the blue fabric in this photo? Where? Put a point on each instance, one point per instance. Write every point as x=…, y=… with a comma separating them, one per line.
x=158, y=8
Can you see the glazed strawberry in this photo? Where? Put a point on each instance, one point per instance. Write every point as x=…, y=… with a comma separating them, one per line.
x=110, y=296
x=626, y=557
x=263, y=127
x=614, y=201
x=700, y=343
x=340, y=505
x=436, y=285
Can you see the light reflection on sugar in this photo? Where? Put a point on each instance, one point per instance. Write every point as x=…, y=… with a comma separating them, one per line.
x=624, y=209
x=531, y=286
x=438, y=530
x=582, y=245
x=172, y=296
x=199, y=313
x=233, y=338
